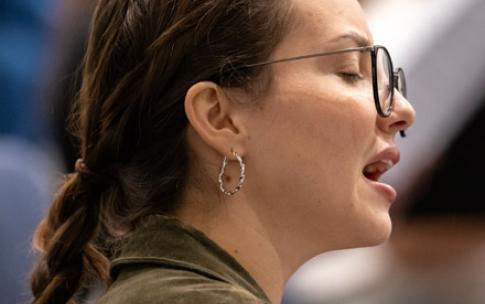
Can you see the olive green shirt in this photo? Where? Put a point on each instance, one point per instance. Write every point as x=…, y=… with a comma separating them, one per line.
x=166, y=261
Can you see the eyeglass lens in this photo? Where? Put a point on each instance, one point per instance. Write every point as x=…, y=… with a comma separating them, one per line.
x=401, y=82
x=384, y=80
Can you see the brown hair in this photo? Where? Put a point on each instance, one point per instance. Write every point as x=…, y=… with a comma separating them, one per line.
x=142, y=57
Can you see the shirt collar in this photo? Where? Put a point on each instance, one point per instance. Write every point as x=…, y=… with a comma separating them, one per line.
x=162, y=240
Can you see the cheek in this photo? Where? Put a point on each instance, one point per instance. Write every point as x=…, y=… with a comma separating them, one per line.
x=362, y=117
x=311, y=137
x=322, y=122
x=305, y=157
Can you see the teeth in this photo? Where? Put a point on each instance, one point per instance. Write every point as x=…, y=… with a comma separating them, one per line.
x=381, y=166
x=371, y=169
x=388, y=163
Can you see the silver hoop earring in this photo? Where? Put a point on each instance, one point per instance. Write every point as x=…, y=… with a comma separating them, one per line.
x=242, y=176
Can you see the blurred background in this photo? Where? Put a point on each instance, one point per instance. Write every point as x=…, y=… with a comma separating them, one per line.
x=437, y=251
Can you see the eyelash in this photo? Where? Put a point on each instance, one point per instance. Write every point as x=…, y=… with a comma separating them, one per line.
x=351, y=77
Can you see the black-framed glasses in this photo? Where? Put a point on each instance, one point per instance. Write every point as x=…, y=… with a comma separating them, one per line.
x=384, y=78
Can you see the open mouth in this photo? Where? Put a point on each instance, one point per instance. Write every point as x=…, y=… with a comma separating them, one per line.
x=375, y=170
x=378, y=165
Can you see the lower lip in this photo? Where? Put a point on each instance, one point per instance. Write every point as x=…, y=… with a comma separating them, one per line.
x=384, y=189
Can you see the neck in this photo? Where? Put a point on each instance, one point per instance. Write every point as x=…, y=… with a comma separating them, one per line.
x=253, y=248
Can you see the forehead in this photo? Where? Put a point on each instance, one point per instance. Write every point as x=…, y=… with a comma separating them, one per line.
x=320, y=23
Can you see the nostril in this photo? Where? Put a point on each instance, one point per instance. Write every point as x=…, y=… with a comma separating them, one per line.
x=399, y=125
x=401, y=118
x=405, y=112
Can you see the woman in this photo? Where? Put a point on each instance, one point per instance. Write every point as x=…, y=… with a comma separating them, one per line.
x=172, y=89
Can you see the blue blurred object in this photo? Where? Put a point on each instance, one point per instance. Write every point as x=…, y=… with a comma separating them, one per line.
x=24, y=28
x=25, y=183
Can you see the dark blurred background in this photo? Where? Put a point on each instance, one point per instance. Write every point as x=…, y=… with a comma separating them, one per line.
x=437, y=251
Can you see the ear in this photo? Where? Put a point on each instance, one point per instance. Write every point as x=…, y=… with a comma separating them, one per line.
x=213, y=116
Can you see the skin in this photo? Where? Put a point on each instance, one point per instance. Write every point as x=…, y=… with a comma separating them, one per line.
x=305, y=143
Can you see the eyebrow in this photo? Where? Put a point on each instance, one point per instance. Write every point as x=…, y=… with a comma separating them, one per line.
x=357, y=38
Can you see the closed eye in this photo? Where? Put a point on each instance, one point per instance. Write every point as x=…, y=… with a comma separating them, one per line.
x=351, y=77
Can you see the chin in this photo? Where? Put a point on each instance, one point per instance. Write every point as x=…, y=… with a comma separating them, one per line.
x=374, y=221
x=371, y=234
x=379, y=232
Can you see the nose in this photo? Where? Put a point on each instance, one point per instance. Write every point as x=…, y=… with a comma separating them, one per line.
x=401, y=118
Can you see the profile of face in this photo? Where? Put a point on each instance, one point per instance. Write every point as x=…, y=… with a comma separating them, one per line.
x=310, y=138
x=316, y=130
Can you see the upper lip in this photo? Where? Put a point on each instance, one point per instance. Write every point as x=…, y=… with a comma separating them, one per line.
x=390, y=154
x=387, y=157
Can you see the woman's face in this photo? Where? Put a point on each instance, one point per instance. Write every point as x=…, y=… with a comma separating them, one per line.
x=316, y=130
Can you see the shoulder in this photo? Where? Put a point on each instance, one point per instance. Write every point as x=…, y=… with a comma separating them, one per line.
x=157, y=286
